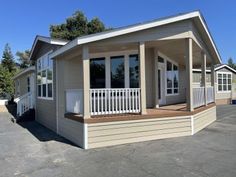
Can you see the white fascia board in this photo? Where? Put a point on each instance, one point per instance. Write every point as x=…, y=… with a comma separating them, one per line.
x=222, y=66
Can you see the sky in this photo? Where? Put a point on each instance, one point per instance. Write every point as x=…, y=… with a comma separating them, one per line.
x=22, y=20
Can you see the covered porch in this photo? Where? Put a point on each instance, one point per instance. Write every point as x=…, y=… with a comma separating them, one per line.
x=140, y=78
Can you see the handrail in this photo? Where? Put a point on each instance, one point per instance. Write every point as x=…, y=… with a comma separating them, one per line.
x=114, y=101
x=24, y=103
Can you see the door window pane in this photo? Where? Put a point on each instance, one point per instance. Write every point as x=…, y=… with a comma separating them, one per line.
x=50, y=90
x=44, y=90
x=169, y=74
x=97, y=73
x=39, y=91
x=117, y=72
x=134, y=71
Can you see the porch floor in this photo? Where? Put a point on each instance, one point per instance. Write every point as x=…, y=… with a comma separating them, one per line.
x=175, y=110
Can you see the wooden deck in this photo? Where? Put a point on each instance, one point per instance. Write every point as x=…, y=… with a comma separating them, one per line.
x=176, y=110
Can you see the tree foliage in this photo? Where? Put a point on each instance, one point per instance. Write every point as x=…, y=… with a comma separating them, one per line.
x=7, y=71
x=8, y=59
x=75, y=26
x=6, y=82
x=23, y=59
x=231, y=63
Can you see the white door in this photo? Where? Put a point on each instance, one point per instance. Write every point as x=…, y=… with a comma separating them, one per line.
x=161, y=83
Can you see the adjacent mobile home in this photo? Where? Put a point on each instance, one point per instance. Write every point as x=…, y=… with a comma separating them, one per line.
x=225, y=82
x=129, y=84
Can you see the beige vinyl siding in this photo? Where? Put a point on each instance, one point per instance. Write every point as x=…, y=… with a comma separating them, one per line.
x=46, y=109
x=69, y=77
x=203, y=119
x=113, y=133
x=23, y=87
x=170, y=31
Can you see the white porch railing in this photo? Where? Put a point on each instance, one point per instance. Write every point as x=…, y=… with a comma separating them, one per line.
x=74, y=101
x=198, y=97
x=114, y=101
x=24, y=103
x=210, y=95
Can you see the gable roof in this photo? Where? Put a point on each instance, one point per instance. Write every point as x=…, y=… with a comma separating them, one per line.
x=47, y=40
x=138, y=27
x=218, y=67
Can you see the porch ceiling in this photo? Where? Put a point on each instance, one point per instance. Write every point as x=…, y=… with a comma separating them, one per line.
x=175, y=49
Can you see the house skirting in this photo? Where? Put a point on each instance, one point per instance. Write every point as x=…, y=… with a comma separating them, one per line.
x=223, y=101
x=94, y=135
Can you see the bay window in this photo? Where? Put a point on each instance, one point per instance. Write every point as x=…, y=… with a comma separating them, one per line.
x=172, y=78
x=45, y=77
x=224, y=82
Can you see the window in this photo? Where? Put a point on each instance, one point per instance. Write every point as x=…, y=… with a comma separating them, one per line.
x=224, y=82
x=117, y=72
x=28, y=84
x=134, y=71
x=97, y=73
x=172, y=78
x=45, y=77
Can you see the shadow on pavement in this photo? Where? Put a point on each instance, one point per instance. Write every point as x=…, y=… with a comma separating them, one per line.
x=42, y=133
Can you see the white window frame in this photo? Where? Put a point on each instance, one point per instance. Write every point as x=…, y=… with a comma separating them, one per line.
x=175, y=63
x=45, y=68
x=227, y=73
x=107, y=56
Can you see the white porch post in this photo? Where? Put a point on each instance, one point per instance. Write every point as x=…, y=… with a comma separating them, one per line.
x=156, y=78
x=108, y=72
x=127, y=84
x=213, y=80
x=204, y=76
x=142, y=80
x=189, y=73
x=86, y=80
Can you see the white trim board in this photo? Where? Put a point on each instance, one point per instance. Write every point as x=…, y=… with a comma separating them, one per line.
x=225, y=66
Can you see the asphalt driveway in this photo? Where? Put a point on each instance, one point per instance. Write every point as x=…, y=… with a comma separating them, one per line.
x=32, y=150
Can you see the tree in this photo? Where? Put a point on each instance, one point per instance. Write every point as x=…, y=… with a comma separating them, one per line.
x=231, y=63
x=75, y=26
x=8, y=59
x=6, y=82
x=23, y=59
x=95, y=26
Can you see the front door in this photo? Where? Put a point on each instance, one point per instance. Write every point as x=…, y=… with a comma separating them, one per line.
x=161, y=84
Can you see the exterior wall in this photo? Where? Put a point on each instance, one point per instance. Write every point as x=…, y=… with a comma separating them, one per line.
x=69, y=77
x=203, y=119
x=45, y=112
x=170, y=31
x=181, y=97
x=23, y=87
x=122, y=132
